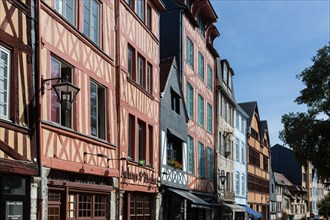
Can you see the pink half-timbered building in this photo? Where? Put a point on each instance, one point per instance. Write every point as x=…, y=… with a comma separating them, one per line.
x=18, y=152
x=138, y=90
x=78, y=143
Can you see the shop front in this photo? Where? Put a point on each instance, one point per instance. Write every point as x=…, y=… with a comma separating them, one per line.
x=14, y=197
x=76, y=196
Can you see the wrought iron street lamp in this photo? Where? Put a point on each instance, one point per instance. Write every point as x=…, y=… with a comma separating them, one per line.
x=65, y=91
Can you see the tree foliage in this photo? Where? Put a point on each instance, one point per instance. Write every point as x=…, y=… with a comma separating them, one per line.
x=308, y=133
x=324, y=206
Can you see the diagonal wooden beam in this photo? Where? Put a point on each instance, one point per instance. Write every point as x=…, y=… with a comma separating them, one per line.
x=10, y=151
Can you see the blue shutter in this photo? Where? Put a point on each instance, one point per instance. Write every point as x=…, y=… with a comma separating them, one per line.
x=209, y=118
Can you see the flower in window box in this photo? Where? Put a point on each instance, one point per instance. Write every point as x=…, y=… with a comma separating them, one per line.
x=142, y=162
x=174, y=163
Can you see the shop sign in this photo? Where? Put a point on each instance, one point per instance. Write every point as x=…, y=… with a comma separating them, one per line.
x=140, y=176
x=14, y=210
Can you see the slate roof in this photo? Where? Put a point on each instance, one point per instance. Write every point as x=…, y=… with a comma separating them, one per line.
x=263, y=128
x=165, y=67
x=249, y=108
x=281, y=179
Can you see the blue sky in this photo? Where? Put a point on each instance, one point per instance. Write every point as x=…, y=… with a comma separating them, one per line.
x=268, y=43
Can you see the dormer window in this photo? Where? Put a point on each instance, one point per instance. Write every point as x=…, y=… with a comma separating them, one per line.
x=201, y=25
x=229, y=79
x=175, y=102
x=225, y=73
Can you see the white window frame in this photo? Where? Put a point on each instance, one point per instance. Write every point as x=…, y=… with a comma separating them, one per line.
x=90, y=22
x=61, y=7
x=7, y=96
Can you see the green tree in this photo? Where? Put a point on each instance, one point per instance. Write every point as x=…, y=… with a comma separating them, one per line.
x=324, y=206
x=308, y=133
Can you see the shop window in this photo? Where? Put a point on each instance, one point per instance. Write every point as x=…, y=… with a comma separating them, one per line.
x=139, y=206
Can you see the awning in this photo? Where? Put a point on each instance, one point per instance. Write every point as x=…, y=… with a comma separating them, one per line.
x=196, y=201
x=234, y=207
x=176, y=134
x=252, y=212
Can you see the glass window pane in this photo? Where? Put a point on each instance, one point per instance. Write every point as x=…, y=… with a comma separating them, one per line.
x=93, y=103
x=14, y=185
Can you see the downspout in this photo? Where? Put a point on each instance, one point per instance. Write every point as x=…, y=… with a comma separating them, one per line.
x=35, y=11
x=117, y=86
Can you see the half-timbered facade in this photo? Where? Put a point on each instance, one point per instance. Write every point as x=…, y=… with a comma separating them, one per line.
x=78, y=143
x=138, y=96
x=188, y=32
x=258, y=154
x=18, y=155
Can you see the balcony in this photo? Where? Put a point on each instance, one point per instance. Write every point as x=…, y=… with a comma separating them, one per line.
x=226, y=195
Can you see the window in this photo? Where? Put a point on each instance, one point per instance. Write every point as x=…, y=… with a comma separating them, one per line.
x=223, y=145
x=228, y=183
x=265, y=163
x=243, y=152
x=140, y=66
x=139, y=206
x=141, y=140
x=84, y=205
x=131, y=136
x=210, y=163
x=237, y=149
x=97, y=104
x=140, y=9
x=201, y=160
x=67, y=8
x=149, y=17
x=190, y=52
x=60, y=114
x=209, y=77
x=130, y=3
x=201, y=25
x=238, y=121
x=224, y=73
x=200, y=66
x=91, y=20
x=237, y=186
x=141, y=71
x=200, y=110
x=209, y=118
x=130, y=61
x=4, y=82
x=175, y=101
x=149, y=78
x=254, y=157
x=150, y=145
x=243, y=184
x=190, y=100
x=190, y=143
x=174, y=151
